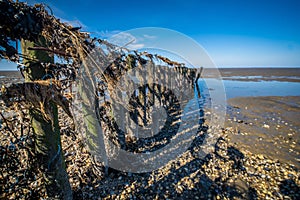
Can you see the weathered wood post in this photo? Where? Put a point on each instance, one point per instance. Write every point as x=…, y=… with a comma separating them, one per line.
x=47, y=132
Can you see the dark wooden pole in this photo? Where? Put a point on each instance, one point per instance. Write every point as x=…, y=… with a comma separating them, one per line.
x=47, y=132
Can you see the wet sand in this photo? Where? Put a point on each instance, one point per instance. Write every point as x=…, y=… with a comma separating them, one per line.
x=267, y=125
x=256, y=74
x=265, y=72
x=8, y=77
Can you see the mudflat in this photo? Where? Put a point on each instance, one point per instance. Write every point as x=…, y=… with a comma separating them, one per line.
x=255, y=74
x=226, y=72
x=267, y=125
x=8, y=77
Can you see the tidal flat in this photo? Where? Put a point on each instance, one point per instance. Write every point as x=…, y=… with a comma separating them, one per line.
x=255, y=157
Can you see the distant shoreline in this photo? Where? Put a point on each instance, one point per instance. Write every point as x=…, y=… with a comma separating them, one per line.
x=257, y=74
x=238, y=74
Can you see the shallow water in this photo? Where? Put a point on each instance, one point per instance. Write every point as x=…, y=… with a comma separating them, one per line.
x=261, y=78
x=264, y=125
x=261, y=88
x=235, y=88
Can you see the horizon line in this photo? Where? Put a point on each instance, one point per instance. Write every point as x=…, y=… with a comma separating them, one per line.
x=220, y=67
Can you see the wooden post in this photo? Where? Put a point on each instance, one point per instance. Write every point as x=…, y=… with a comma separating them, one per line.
x=47, y=132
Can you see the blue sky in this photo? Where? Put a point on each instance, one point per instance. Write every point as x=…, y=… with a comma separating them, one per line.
x=233, y=32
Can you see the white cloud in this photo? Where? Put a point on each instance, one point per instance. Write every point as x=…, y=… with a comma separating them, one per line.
x=135, y=46
x=107, y=34
x=149, y=36
x=126, y=40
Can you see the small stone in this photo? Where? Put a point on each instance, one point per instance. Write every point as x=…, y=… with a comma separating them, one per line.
x=261, y=157
x=266, y=126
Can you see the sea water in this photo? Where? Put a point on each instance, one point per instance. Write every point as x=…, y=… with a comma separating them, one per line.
x=234, y=88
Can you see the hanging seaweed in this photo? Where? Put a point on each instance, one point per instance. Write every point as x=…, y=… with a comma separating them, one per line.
x=50, y=85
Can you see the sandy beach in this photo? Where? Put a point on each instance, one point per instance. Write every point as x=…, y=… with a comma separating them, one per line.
x=267, y=125
x=256, y=157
